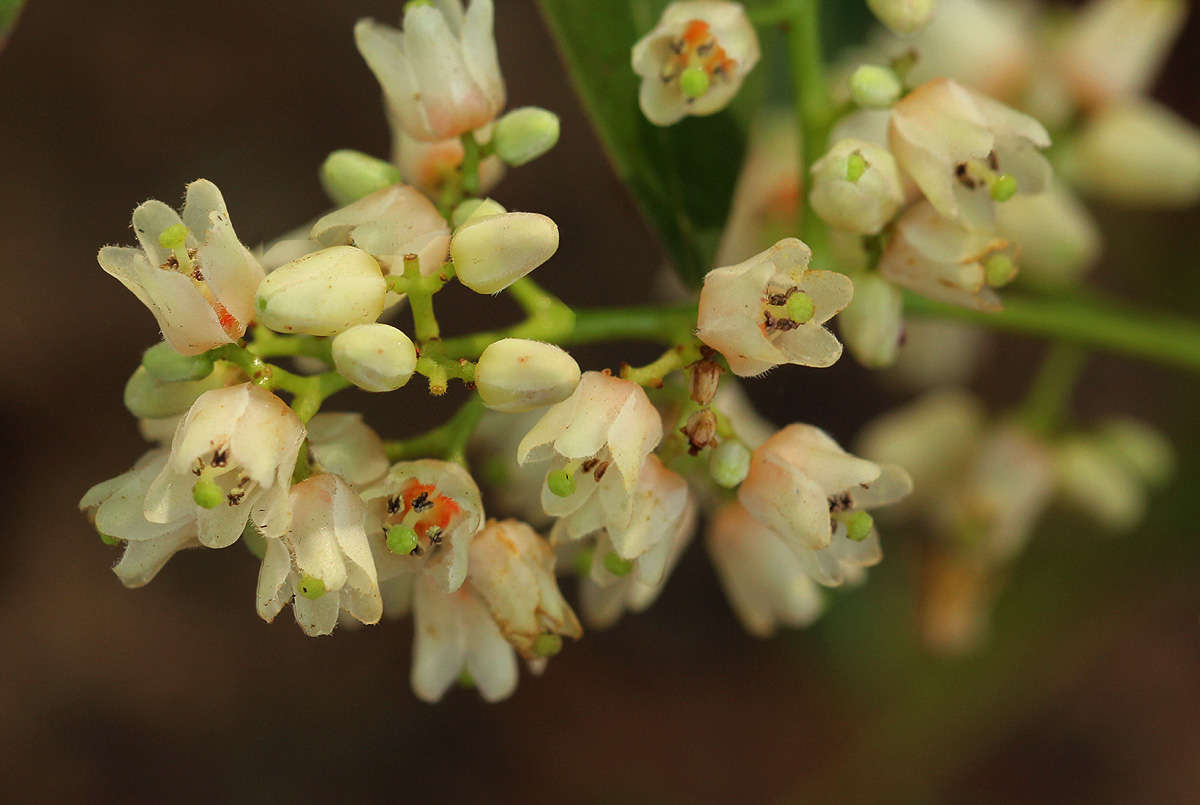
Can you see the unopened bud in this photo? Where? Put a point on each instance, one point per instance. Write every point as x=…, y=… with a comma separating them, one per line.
x=704, y=380
x=148, y=398
x=871, y=325
x=729, y=463
x=347, y=176
x=322, y=293
x=856, y=187
x=475, y=209
x=903, y=16
x=493, y=253
x=375, y=357
x=701, y=430
x=1141, y=448
x=874, y=87
x=525, y=134
x=515, y=374
x=168, y=366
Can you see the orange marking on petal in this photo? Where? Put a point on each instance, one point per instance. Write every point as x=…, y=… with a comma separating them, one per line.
x=695, y=33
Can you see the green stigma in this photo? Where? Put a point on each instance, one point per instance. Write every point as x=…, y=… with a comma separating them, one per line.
x=207, y=493
x=173, y=237
x=856, y=166
x=999, y=270
x=799, y=307
x=561, y=483
x=693, y=82
x=859, y=526
x=311, y=588
x=465, y=680
x=411, y=4
x=401, y=540
x=547, y=644
x=1004, y=187
x=616, y=565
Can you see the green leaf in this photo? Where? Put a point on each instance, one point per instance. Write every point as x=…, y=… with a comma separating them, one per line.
x=682, y=176
x=9, y=10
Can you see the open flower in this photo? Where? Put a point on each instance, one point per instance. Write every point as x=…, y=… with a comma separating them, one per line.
x=597, y=440
x=966, y=151
x=770, y=310
x=695, y=59
x=856, y=187
x=440, y=74
x=940, y=259
x=231, y=461
x=115, y=508
x=512, y=569
x=815, y=497
x=453, y=634
x=191, y=270
x=422, y=517
x=765, y=582
x=322, y=563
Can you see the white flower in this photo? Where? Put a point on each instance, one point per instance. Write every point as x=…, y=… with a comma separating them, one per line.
x=322, y=563
x=512, y=570
x=695, y=59
x=942, y=260
x=191, y=270
x=856, y=187
x=1114, y=48
x=454, y=633
x=231, y=461
x=115, y=508
x=422, y=517
x=815, y=497
x=966, y=151
x=770, y=310
x=597, y=439
x=765, y=582
x=440, y=74
x=604, y=596
x=346, y=446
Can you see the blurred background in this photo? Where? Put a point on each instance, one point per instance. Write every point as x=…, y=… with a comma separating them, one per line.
x=1089, y=689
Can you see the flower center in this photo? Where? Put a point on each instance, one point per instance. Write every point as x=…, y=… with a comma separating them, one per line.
x=698, y=59
x=785, y=310
x=183, y=260
x=215, y=482
x=417, y=518
x=977, y=173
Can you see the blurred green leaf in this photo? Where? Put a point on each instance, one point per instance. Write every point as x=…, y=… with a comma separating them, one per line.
x=9, y=11
x=682, y=176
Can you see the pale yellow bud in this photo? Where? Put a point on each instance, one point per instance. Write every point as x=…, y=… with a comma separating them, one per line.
x=375, y=357
x=515, y=374
x=493, y=253
x=903, y=16
x=871, y=325
x=525, y=134
x=322, y=293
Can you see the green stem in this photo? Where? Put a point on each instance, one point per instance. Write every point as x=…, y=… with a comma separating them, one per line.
x=267, y=344
x=470, y=164
x=446, y=441
x=420, y=298
x=652, y=374
x=1093, y=323
x=813, y=105
x=308, y=392
x=770, y=15
x=1050, y=393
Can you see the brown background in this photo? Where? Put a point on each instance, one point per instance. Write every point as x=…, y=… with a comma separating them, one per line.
x=1090, y=692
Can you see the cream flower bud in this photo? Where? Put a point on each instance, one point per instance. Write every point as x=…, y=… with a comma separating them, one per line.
x=1094, y=481
x=942, y=260
x=346, y=446
x=454, y=633
x=440, y=74
x=695, y=59
x=937, y=353
x=1114, y=48
x=903, y=16
x=231, y=462
x=166, y=365
x=347, y=175
x=875, y=87
x=524, y=134
x=765, y=583
x=516, y=374
x=770, y=310
x=191, y=270
x=1145, y=451
x=492, y=253
x=872, y=325
x=856, y=186
x=322, y=293
x=1057, y=237
x=375, y=357
x=966, y=151
x=1137, y=152
x=512, y=569
x=322, y=563
x=815, y=497
x=421, y=518
x=147, y=398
